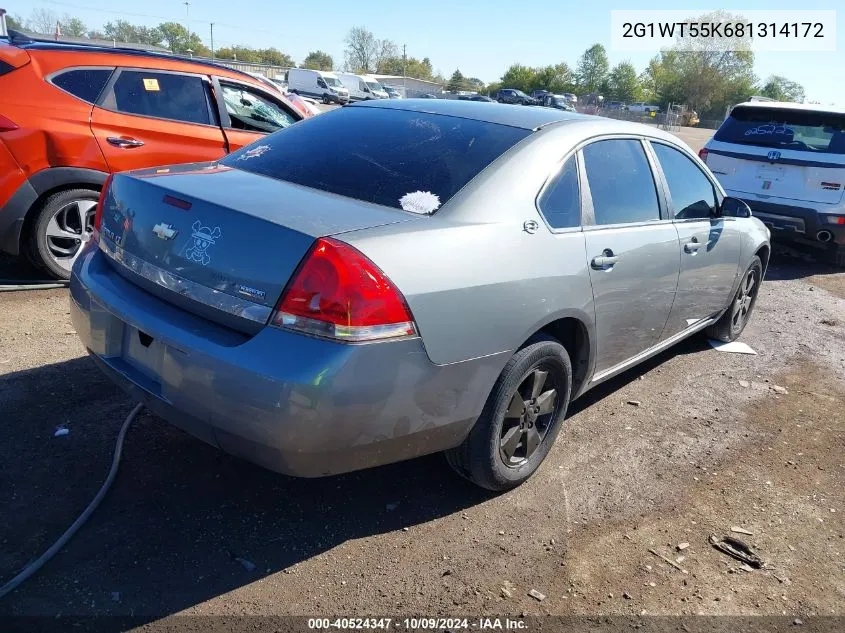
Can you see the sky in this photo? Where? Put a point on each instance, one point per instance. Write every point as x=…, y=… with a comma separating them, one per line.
x=480, y=37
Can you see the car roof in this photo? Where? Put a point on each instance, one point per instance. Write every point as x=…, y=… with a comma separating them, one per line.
x=40, y=45
x=526, y=117
x=785, y=105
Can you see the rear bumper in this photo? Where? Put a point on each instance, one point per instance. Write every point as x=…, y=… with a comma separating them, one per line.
x=794, y=218
x=291, y=403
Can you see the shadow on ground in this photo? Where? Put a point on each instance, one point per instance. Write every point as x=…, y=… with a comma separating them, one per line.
x=184, y=522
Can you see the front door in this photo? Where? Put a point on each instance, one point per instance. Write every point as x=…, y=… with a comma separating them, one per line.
x=152, y=118
x=709, y=245
x=249, y=114
x=632, y=252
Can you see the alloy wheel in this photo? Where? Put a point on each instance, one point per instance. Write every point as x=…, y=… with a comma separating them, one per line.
x=744, y=299
x=68, y=229
x=528, y=418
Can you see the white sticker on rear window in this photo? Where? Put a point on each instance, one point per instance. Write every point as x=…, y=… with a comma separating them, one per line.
x=423, y=202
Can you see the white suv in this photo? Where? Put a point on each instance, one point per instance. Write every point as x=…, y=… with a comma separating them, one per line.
x=787, y=161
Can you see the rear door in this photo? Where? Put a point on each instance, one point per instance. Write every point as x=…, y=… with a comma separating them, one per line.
x=710, y=245
x=631, y=249
x=154, y=117
x=776, y=152
x=248, y=113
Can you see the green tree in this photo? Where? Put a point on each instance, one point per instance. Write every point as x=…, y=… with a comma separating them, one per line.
x=413, y=67
x=42, y=21
x=474, y=83
x=362, y=50
x=318, y=60
x=275, y=57
x=519, y=77
x=555, y=79
x=623, y=84
x=123, y=31
x=14, y=23
x=177, y=39
x=73, y=27
x=456, y=82
x=780, y=88
x=592, y=68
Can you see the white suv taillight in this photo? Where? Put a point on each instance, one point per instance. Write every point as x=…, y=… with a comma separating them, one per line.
x=338, y=293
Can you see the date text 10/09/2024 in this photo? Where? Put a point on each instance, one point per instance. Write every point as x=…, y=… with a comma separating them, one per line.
x=418, y=624
x=723, y=29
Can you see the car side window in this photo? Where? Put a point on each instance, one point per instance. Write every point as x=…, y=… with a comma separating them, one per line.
x=692, y=192
x=162, y=95
x=84, y=83
x=621, y=183
x=560, y=202
x=253, y=112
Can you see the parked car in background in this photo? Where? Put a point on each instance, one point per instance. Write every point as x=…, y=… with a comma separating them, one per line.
x=318, y=84
x=570, y=97
x=392, y=92
x=73, y=114
x=510, y=95
x=787, y=162
x=475, y=97
x=362, y=87
x=615, y=105
x=539, y=94
x=643, y=107
x=428, y=96
x=558, y=101
x=302, y=335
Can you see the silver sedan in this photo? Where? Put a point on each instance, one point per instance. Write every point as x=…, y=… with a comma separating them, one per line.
x=402, y=277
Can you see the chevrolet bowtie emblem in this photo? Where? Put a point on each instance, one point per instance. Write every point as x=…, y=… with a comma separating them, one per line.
x=164, y=231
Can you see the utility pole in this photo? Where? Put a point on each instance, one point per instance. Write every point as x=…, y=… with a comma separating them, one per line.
x=187, y=18
x=212, y=40
x=3, y=30
x=404, y=63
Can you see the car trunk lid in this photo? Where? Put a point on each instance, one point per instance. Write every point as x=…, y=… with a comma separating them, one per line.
x=221, y=242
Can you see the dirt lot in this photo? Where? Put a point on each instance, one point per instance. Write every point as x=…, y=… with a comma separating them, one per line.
x=187, y=529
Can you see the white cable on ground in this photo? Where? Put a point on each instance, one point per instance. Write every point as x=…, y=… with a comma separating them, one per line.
x=37, y=564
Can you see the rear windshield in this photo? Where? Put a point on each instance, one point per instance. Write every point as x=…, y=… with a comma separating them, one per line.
x=380, y=155
x=785, y=129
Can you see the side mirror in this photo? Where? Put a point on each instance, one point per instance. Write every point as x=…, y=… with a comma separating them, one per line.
x=734, y=208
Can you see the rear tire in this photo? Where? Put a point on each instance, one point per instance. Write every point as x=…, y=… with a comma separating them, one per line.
x=63, y=225
x=736, y=317
x=520, y=420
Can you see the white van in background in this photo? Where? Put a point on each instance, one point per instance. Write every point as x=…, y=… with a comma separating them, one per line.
x=318, y=84
x=362, y=87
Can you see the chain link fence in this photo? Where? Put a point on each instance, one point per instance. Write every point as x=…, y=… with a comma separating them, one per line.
x=671, y=119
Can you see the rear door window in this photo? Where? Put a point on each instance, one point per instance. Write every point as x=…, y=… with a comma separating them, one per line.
x=560, y=202
x=621, y=183
x=83, y=83
x=251, y=111
x=162, y=95
x=816, y=132
x=691, y=191
x=397, y=158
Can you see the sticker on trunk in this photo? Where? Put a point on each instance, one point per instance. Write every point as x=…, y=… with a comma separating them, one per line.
x=202, y=238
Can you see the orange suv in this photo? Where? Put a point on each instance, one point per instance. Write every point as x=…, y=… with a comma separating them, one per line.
x=72, y=114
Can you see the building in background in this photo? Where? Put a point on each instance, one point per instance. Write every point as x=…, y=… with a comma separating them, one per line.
x=413, y=87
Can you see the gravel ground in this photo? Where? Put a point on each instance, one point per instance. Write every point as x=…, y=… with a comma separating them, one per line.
x=717, y=440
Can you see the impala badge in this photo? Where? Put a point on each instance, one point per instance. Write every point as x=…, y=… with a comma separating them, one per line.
x=164, y=231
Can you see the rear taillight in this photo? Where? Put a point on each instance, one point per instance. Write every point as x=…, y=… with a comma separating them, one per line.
x=7, y=125
x=338, y=293
x=98, y=216
x=702, y=154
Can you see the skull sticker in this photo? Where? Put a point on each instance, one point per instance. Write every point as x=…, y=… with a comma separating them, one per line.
x=202, y=238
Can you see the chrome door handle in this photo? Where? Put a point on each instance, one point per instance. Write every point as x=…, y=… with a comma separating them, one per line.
x=692, y=246
x=604, y=261
x=125, y=143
